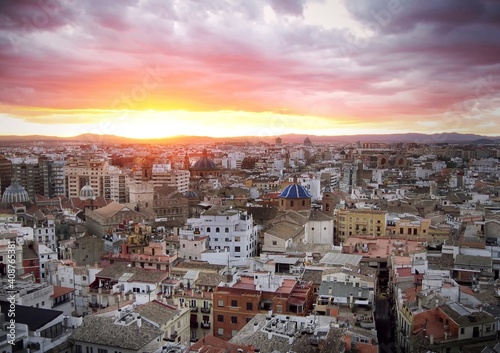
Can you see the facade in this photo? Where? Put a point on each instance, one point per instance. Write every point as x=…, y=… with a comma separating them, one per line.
x=5, y=173
x=358, y=222
x=53, y=179
x=105, y=220
x=225, y=228
x=29, y=173
x=44, y=232
x=79, y=172
x=115, y=185
x=319, y=228
x=172, y=321
x=169, y=203
x=31, y=262
x=237, y=302
x=45, y=255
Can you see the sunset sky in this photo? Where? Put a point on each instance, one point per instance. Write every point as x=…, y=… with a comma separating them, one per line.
x=154, y=68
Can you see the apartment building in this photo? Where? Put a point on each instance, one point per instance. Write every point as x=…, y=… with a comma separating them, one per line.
x=360, y=222
x=79, y=172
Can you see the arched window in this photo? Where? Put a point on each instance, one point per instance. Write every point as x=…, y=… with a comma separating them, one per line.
x=217, y=230
x=226, y=230
x=208, y=229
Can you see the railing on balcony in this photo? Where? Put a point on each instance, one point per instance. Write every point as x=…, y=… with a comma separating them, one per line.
x=194, y=309
x=173, y=336
x=205, y=310
x=205, y=325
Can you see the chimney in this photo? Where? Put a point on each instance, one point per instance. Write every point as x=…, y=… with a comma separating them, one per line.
x=139, y=321
x=388, y=250
x=255, y=326
x=270, y=335
x=290, y=340
x=431, y=339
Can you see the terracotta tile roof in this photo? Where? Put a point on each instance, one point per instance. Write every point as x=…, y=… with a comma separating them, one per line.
x=60, y=291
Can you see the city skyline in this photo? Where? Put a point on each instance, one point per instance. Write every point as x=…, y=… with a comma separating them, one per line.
x=151, y=69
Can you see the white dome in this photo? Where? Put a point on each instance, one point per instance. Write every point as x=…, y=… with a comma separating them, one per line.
x=87, y=193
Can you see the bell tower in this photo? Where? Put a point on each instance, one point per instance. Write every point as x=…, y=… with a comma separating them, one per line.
x=328, y=201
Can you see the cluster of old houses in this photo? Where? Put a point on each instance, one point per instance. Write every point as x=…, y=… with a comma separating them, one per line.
x=286, y=264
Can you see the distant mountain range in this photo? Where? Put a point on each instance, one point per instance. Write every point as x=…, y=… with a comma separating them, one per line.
x=451, y=138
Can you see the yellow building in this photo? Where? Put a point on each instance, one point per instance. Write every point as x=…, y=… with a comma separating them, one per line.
x=359, y=222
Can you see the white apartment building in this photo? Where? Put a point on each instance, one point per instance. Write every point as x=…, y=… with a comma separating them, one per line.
x=44, y=232
x=115, y=182
x=227, y=229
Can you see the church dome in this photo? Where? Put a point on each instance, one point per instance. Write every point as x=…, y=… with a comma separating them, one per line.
x=15, y=193
x=204, y=163
x=87, y=193
x=295, y=191
x=191, y=194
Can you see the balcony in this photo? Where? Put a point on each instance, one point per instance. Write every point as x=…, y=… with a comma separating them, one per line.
x=194, y=309
x=173, y=336
x=205, y=310
x=205, y=325
x=193, y=325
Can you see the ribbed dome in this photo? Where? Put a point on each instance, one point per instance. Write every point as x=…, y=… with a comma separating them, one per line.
x=15, y=193
x=204, y=163
x=295, y=191
x=191, y=194
x=87, y=193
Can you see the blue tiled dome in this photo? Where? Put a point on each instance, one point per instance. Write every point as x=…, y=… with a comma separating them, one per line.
x=295, y=191
x=15, y=193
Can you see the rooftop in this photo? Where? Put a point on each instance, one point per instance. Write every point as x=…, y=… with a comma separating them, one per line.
x=157, y=312
x=104, y=331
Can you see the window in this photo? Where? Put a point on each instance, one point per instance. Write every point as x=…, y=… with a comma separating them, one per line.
x=279, y=309
x=101, y=350
x=249, y=306
x=220, y=318
x=217, y=230
x=275, y=242
x=78, y=348
x=237, y=249
x=291, y=203
x=220, y=331
x=226, y=230
x=234, y=319
x=208, y=229
x=90, y=349
x=462, y=331
x=234, y=302
x=220, y=302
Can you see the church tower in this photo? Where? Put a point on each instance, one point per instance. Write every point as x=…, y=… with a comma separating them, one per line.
x=328, y=201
